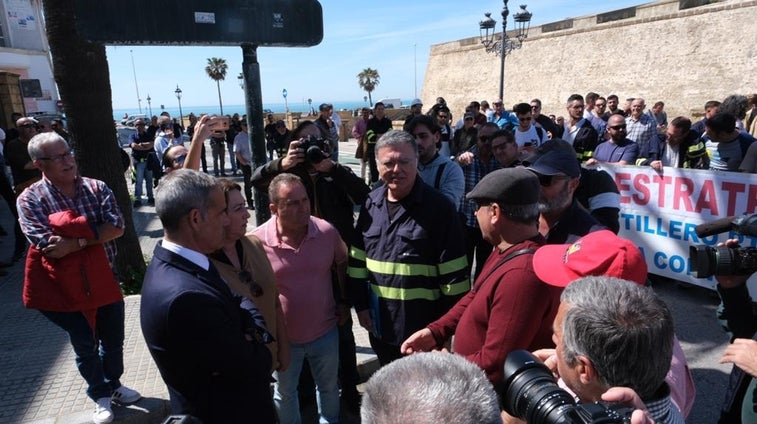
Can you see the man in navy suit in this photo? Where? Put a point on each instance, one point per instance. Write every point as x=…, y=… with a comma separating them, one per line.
x=208, y=347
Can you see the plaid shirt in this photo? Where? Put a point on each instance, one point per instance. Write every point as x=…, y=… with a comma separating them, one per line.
x=473, y=174
x=641, y=131
x=93, y=199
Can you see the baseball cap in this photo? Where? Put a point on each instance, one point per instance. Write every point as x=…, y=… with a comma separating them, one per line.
x=512, y=186
x=416, y=102
x=469, y=115
x=557, y=162
x=598, y=253
x=280, y=124
x=324, y=106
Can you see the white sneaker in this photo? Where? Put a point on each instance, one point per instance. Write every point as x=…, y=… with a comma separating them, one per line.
x=124, y=394
x=103, y=411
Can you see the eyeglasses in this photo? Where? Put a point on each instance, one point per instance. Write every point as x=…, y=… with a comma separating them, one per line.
x=28, y=126
x=600, y=105
x=526, y=119
x=484, y=139
x=469, y=118
x=59, y=158
x=548, y=180
x=442, y=116
x=618, y=127
x=255, y=288
x=535, y=107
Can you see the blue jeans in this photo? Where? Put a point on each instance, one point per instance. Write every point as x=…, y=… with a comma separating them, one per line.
x=144, y=175
x=323, y=356
x=99, y=353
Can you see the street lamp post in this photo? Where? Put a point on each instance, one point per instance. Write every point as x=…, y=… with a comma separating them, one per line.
x=240, y=78
x=181, y=115
x=286, y=104
x=149, y=106
x=310, y=106
x=505, y=45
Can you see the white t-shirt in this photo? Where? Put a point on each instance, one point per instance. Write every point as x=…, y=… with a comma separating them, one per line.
x=530, y=136
x=671, y=156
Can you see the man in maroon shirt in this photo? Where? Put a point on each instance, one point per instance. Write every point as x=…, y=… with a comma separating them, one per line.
x=509, y=307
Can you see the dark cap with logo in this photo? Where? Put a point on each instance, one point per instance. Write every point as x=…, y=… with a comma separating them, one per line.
x=557, y=162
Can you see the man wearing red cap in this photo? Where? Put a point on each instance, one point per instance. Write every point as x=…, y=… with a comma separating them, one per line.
x=602, y=253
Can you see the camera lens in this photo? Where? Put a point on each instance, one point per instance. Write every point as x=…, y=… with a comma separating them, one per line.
x=314, y=154
x=531, y=392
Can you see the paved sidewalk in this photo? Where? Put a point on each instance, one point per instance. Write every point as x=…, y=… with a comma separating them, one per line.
x=39, y=382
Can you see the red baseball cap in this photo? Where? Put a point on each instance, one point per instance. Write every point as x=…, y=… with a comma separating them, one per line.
x=598, y=253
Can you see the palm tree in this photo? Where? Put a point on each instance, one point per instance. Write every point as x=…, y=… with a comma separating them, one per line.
x=368, y=79
x=216, y=70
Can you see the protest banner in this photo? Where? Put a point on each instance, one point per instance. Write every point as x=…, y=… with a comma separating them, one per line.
x=659, y=212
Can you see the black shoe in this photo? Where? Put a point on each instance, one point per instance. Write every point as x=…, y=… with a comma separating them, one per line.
x=223, y=174
x=151, y=202
x=216, y=173
x=137, y=203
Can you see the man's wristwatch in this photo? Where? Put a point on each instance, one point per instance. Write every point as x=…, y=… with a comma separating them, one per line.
x=82, y=242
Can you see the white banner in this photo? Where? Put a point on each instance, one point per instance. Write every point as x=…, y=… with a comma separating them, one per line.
x=659, y=211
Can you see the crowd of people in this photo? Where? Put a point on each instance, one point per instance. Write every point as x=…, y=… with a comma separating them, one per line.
x=480, y=238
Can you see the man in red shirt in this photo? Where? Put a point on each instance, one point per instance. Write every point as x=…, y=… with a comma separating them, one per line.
x=509, y=307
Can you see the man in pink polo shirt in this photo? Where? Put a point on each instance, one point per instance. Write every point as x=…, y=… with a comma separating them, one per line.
x=303, y=250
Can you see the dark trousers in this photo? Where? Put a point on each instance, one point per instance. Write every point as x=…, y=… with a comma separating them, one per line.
x=219, y=155
x=476, y=246
x=99, y=352
x=371, y=155
x=6, y=191
x=246, y=176
x=203, y=159
x=385, y=352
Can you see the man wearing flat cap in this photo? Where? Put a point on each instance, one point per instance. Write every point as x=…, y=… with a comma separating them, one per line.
x=563, y=219
x=509, y=307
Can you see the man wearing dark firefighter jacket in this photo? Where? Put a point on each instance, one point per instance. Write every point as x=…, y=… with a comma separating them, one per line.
x=407, y=264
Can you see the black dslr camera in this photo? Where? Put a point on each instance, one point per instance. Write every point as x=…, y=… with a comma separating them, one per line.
x=532, y=394
x=721, y=260
x=316, y=149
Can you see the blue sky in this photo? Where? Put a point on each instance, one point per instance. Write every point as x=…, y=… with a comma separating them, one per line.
x=391, y=36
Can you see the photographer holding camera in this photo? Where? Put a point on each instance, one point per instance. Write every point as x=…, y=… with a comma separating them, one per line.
x=739, y=318
x=611, y=335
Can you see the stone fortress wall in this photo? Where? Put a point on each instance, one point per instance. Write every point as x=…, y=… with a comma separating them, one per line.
x=683, y=52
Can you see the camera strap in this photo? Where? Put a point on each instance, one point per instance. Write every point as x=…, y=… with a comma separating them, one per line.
x=502, y=262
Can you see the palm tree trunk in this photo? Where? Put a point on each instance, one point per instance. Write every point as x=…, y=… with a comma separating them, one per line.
x=370, y=100
x=220, y=103
x=90, y=121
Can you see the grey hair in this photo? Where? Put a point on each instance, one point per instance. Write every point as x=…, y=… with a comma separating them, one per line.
x=623, y=328
x=393, y=138
x=278, y=181
x=429, y=388
x=35, y=144
x=526, y=214
x=181, y=191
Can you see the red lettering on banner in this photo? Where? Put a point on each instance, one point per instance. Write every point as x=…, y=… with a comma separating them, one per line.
x=682, y=190
x=707, y=198
x=621, y=180
x=733, y=190
x=751, y=201
x=641, y=197
x=661, y=182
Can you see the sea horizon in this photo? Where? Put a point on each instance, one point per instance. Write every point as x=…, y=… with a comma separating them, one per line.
x=118, y=114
